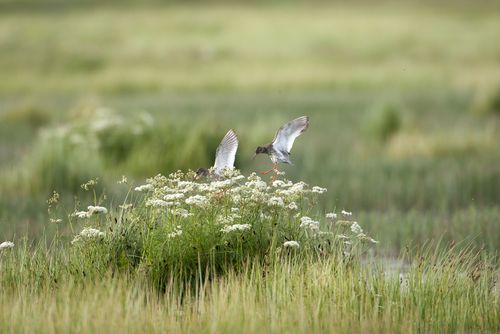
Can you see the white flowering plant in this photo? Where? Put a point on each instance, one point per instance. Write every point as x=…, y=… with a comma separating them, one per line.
x=181, y=223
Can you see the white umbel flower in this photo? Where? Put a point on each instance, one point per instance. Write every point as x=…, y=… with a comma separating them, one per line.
x=308, y=223
x=183, y=213
x=225, y=220
x=144, y=187
x=282, y=184
x=173, y=197
x=318, y=190
x=331, y=215
x=236, y=227
x=346, y=213
x=81, y=214
x=220, y=184
x=96, y=210
x=291, y=244
x=6, y=245
x=298, y=187
x=177, y=232
x=88, y=233
x=276, y=201
x=355, y=228
x=197, y=200
x=90, y=211
x=237, y=178
x=91, y=233
x=256, y=184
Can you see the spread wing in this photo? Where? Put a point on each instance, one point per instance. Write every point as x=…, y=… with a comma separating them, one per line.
x=226, y=152
x=286, y=135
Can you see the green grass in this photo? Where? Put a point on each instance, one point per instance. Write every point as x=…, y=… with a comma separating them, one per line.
x=439, y=293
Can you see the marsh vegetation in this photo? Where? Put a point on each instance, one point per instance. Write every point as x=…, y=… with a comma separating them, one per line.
x=403, y=100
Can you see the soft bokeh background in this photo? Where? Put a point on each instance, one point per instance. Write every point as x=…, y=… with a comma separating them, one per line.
x=404, y=100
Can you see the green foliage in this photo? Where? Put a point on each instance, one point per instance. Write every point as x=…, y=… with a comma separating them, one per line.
x=105, y=143
x=384, y=122
x=189, y=229
x=430, y=291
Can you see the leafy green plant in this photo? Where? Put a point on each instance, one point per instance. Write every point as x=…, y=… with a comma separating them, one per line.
x=181, y=225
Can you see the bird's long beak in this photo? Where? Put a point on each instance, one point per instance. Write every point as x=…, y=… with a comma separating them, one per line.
x=254, y=155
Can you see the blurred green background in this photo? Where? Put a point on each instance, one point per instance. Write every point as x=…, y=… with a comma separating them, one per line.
x=404, y=100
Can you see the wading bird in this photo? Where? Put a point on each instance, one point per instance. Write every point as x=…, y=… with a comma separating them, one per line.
x=224, y=156
x=279, y=149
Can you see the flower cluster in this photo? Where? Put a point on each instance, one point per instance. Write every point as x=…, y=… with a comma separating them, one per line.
x=177, y=232
x=318, y=190
x=291, y=244
x=6, y=245
x=308, y=223
x=236, y=227
x=91, y=210
x=331, y=215
x=88, y=233
x=197, y=200
x=355, y=228
x=144, y=187
x=186, y=209
x=179, y=194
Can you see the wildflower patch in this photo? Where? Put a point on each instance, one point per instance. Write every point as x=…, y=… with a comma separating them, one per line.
x=177, y=223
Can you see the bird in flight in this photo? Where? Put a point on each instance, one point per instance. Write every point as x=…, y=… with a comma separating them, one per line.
x=279, y=149
x=224, y=156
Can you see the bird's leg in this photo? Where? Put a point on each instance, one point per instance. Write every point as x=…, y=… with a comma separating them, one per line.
x=268, y=171
x=274, y=169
